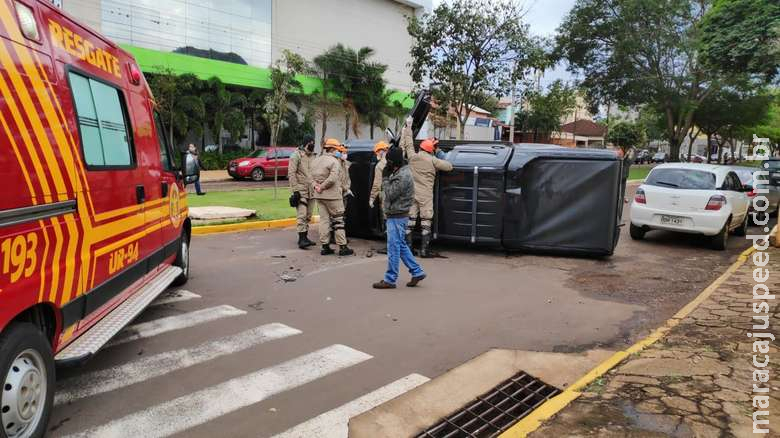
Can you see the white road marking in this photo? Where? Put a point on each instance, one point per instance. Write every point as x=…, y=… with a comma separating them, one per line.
x=207, y=404
x=99, y=382
x=335, y=423
x=176, y=322
x=174, y=297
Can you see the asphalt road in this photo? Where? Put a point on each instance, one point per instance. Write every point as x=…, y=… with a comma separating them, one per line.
x=313, y=335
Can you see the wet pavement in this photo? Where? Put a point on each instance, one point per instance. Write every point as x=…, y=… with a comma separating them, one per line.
x=325, y=339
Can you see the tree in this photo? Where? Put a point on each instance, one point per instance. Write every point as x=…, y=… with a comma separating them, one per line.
x=225, y=109
x=372, y=95
x=741, y=36
x=627, y=135
x=283, y=82
x=636, y=52
x=468, y=47
x=178, y=103
x=396, y=112
x=325, y=67
x=770, y=126
x=725, y=114
x=546, y=110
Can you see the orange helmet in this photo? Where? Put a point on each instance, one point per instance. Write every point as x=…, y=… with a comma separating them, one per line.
x=342, y=148
x=381, y=146
x=429, y=145
x=331, y=143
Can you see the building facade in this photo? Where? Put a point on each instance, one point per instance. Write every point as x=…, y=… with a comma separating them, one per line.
x=254, y=32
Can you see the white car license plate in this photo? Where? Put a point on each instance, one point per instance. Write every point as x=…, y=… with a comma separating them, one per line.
x=671, y=220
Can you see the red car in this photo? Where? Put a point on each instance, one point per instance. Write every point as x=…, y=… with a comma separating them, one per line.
x=262, y=163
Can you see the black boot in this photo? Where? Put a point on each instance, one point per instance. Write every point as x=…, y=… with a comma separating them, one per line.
x=425, y=247
x=303, y=240
x=327, y=250
x=344, y=250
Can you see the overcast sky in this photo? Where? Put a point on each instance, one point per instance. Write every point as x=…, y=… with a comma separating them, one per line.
x=544, y=16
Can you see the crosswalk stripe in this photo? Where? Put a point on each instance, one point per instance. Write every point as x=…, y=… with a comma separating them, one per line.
x=174, y=297
x=176, y=322
x=99, y=382
x=335, y=423
x=207, y=404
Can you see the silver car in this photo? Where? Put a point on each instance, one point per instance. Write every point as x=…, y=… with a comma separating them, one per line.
x=745, y=175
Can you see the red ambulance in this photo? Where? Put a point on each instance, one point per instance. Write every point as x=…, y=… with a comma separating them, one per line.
x=93, y=211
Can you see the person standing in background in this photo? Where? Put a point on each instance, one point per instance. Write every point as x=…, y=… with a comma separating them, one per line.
x=398, y=197
x=192, y=150
x=328, y=191
x=424, y=165
x=299, y=175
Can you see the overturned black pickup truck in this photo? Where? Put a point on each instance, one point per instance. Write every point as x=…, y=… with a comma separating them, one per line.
x=529, y=197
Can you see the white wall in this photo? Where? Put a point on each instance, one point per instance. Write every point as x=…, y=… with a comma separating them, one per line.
x=309, y=27
x=86, y=11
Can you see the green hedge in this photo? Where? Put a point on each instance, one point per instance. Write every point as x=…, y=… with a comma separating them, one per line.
x=215, y=161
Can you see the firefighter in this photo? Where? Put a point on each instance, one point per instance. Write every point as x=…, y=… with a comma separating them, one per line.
x=424, y=165
x=328, y=191
x=380, y=150
x=299, y=175
x=346, y=181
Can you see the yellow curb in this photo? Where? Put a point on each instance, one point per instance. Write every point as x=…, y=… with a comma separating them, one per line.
x=631, y=181
x=247, y=226
x=551, y=407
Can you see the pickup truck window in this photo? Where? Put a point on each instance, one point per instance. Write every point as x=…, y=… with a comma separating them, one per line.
x=102, y=123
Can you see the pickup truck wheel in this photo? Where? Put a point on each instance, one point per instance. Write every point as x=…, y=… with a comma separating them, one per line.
x=183, y=260
x=258, y=174
x=27, y=367
x=720, y=240
x=637, y=233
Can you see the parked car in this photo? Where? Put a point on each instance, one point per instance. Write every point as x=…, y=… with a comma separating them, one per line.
x=697, y=159
x=691, y=198
x=762, y=187
x=261, y=164
x=642, y=157
x=660, y=157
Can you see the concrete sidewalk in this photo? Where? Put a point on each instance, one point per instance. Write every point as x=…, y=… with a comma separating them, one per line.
x=697, y=381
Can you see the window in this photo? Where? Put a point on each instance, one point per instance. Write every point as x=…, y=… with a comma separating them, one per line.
x=283, y=153
x=165, y=154
x=682, y=179
x=101, y=116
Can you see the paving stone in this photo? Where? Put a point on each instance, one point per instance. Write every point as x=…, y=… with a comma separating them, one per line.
x=659, y=367
x=680, y=404
x=701, y=430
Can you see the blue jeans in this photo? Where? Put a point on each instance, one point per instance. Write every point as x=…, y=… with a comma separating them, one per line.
x=197, y=187
x=397, y=248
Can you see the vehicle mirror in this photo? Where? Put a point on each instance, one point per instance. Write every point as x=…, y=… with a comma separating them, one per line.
x=191, y=169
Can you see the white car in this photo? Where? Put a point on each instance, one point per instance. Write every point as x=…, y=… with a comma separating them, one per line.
x=691, y=198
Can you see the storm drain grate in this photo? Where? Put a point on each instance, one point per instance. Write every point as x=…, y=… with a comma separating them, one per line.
x=494, y=412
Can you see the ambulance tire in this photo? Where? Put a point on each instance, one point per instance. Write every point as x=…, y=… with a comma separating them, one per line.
x=183, y=260
x=27, y=367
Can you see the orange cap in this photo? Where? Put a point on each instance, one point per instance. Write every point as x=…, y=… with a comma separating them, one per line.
x=428, y=145
x=381, y=146
x=331, y=143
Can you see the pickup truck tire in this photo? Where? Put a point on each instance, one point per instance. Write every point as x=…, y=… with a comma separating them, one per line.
x=27, y=367
x=637, y=233
x=720, y=240
x=258, y=174
x=183, y=259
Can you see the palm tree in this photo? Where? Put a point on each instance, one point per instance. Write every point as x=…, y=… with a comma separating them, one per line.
x=345, y=71
x=225, y=109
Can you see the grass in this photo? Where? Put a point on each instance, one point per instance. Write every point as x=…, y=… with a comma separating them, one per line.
x=261, y=200
x=639, y=172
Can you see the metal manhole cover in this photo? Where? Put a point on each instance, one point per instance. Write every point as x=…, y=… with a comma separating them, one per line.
x=495, y=411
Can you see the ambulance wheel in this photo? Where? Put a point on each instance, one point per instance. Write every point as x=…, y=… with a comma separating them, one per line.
x=183, y=260
x=27, y=397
